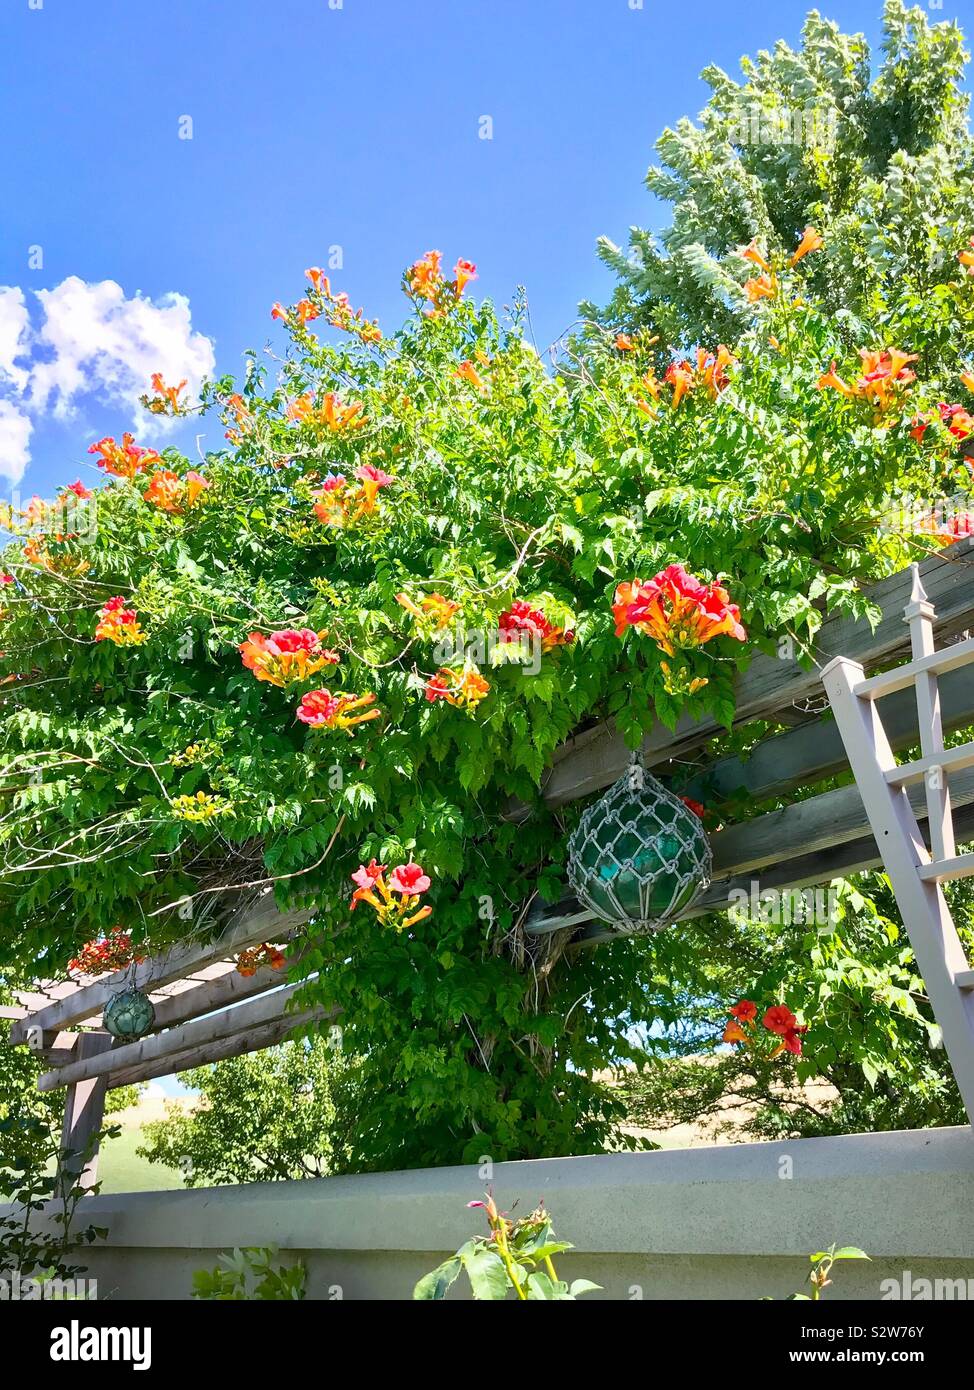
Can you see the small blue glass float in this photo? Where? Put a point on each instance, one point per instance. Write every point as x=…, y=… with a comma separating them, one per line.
x=129, y=1015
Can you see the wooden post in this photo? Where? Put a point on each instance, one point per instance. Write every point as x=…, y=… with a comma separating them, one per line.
x=84, y=1110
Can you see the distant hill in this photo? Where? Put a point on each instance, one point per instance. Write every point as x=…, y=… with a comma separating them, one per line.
x=120, y=1169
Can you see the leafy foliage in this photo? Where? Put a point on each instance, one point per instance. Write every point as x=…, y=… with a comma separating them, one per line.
x=251, y=1273
x=880, y=163
x=871, y=1034
x=155, y=780
x=280, y=1113
x=517, y=1257
x=38, y=1176
x=822, y=1262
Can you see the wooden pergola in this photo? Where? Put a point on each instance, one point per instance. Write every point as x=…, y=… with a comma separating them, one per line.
x=820, y=837
x=207, y=1011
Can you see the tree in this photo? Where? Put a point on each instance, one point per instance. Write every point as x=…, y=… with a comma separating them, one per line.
x=281, y=1113
x=870, y=1034
x=882, y=166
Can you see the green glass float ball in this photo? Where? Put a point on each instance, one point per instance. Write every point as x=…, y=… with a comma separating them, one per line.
x=639, y=857
x=129, y=1015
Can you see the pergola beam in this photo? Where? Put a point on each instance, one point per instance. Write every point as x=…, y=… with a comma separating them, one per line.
x=820, y=826
x=262, y=921
x=778, y=765
x=254, y=1040
x=598, y=757
x=84, y=1113
x=228, y=988
x=182, y=1038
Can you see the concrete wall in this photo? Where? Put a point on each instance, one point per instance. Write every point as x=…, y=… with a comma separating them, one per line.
x=722, y=1222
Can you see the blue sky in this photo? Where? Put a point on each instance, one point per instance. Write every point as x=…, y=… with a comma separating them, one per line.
x=315, y=127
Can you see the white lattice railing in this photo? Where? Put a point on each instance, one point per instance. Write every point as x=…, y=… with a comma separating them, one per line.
x=914, y=870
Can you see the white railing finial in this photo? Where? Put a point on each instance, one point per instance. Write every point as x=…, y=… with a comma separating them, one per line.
x=918, y=593
x=919, y=613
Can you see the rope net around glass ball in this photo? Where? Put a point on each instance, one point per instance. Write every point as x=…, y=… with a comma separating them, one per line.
x=129, y=1015
x=639, y=857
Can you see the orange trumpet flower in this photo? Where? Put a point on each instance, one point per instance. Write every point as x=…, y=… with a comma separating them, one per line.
x=286, y=656
x=166, y=400
x=319, y=281
x=751, y=253
x=469, y=372
x=680, y=377
x=463, y=272
x=433, y=609
x=761, y=287
x=811, y=241
x=833, y=380
x=322, y=710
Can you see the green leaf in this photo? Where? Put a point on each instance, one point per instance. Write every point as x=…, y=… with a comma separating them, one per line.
x=435, y=1284
x=572, y=535
x=580, y=1286
x=486, y=1272
x=540, y=1286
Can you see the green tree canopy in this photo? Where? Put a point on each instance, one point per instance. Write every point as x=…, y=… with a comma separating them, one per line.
x=281, y=1113
x=879, y=159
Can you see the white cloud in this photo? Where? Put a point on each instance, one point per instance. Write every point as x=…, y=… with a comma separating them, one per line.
x=93, y=342
x=108, y=344
x=15, y=432
x=14, y=331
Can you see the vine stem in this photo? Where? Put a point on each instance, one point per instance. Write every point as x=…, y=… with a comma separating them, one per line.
x=508, y=1260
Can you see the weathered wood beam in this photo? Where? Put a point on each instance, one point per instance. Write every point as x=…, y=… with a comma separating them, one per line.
x=805, y=826
x=774, y=843
x=63, y=1048
x=60, y=1044
x=200, y=976
x=597, y=757
x=45, y=993
x=813, y=752
x=84, y=1112
x=32, y=1001
x=181, y=1038
x=237, y=1045
x=216, y=987
x=228, y=988
x=262, y=921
